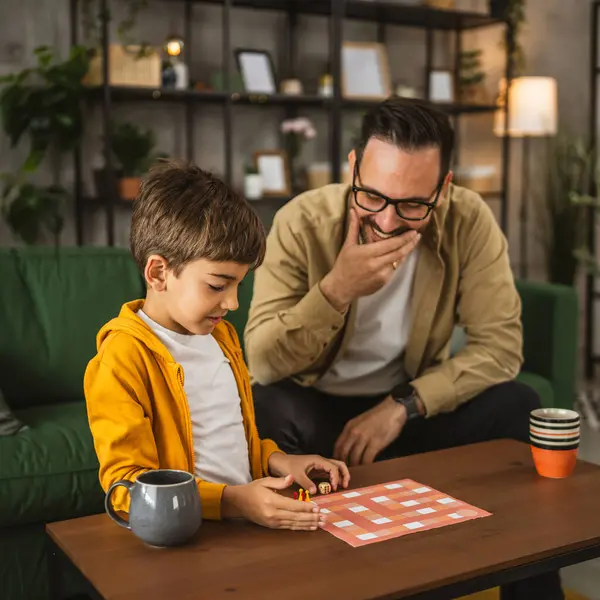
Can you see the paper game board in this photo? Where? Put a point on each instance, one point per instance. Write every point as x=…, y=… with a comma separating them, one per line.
x=388, y=510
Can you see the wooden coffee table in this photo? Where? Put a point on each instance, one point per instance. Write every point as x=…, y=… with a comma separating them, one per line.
x=537, y=525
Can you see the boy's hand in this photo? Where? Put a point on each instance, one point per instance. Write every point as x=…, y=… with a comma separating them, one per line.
x=300, y=465
x=259, y=502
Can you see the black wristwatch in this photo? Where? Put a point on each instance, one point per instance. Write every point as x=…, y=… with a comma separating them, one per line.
x=410, y=403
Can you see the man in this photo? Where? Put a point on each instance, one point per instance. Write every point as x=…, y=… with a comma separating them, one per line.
x=354, y=308
x=355, y=305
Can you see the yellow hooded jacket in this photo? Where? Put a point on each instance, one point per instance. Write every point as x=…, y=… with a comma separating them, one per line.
x=138, y=411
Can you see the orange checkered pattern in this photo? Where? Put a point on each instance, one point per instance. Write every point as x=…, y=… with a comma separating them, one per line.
x=388, y=510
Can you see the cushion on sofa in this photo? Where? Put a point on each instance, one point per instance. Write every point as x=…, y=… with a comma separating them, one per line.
x=52, y=305
x=550, y=336
x=50, y=471
x=539, y=384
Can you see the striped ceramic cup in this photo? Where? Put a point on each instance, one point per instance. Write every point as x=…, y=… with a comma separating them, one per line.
x=554, y=440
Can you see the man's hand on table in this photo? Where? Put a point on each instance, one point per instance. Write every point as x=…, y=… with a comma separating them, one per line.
x=365, y=436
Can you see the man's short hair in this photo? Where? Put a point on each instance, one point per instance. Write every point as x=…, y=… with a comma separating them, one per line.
x=184, y=213
x=410, y=124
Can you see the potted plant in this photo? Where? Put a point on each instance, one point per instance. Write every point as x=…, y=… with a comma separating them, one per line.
x=132, y=149
x=30, y=210
x=471, y=78
x=569, y=176
x=585, y=258
x=42, y=104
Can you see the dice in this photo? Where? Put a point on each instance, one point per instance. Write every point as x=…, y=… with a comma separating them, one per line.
x=324, y=487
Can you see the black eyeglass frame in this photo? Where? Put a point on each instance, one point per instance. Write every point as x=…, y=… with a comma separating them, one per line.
x=395, y=203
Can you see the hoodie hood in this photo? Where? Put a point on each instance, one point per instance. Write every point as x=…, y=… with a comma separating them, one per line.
x=128, y=322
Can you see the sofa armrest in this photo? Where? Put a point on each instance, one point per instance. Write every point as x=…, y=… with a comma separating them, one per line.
x=550, y=336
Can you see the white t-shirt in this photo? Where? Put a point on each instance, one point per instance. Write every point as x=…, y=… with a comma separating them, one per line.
x=373, y=361
x=220, y=442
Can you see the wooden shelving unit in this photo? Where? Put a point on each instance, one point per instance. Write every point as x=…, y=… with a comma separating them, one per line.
x=383, y=13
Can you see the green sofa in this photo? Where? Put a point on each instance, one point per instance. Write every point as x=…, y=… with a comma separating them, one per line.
x=51, y=306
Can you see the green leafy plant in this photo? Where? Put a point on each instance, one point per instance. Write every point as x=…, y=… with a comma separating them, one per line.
x=92, y=17
x=470, y=68
x=133, y=148
x=515, y=16
x=513, y=12
x=44, y=104
x=569, y=177
x=30, y=210
x=585, y=201
x=250, y=168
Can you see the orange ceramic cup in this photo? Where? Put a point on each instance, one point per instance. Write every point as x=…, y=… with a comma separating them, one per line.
x=555, y=464
x=554, y=441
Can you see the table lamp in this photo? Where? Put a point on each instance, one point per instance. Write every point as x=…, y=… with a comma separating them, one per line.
x=532, y=112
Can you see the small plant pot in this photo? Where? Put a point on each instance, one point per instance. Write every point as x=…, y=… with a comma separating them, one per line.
x=129, y=187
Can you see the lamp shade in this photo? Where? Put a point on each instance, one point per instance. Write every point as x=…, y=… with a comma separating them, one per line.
x=532, y=108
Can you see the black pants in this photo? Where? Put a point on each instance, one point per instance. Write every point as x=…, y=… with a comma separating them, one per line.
x=307, y=421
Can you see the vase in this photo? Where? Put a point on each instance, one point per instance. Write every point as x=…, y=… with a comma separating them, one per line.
x=253, y=186
x=299, y=179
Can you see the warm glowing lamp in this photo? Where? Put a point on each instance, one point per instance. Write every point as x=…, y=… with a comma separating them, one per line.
x=532, y=112
x=176, y=72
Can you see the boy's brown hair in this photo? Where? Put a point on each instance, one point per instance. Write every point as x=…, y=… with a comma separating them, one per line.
x=184, y=213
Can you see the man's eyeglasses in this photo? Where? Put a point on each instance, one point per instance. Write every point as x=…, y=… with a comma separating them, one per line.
x=410, y=209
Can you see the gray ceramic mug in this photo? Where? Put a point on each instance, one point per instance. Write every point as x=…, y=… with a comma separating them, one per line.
x=165, y=508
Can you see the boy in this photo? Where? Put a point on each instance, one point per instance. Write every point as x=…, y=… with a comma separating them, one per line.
x=168, y=387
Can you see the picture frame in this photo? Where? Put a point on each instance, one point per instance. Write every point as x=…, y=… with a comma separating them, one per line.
x=365, y=71
x=441, y=86
x=256, y=70
x=273, y=167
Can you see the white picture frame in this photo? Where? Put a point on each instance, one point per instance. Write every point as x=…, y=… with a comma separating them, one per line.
x=365, y=71
x=256, y=70
x=441, y=86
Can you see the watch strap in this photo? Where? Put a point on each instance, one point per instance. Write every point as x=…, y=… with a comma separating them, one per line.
x=411, y=405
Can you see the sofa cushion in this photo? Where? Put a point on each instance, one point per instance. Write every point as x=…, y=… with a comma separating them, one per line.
x=539, y=384
x=50, y=471
x=52, y=305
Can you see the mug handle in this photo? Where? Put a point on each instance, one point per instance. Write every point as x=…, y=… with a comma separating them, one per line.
x=109, y=507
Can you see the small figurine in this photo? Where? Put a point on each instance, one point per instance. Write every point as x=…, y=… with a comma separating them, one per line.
x=295, y=495
x=301, y=495
x=306, y=496
x=324, y=487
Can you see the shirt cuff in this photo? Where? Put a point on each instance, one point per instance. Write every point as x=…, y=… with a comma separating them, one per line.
x=267, y=447
x=319, y=313
x=211, y=495
x=436, y=392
